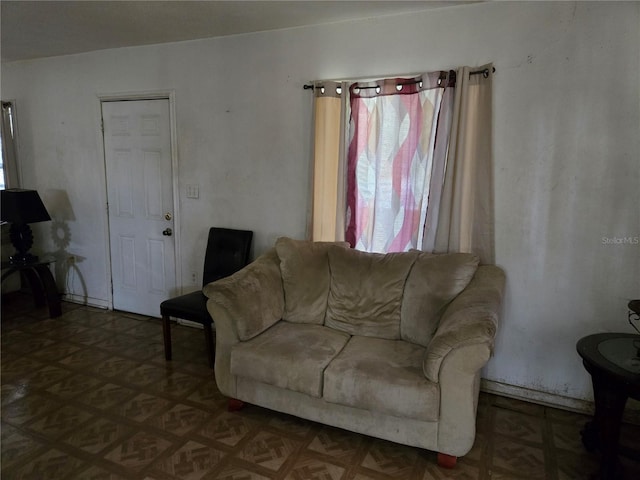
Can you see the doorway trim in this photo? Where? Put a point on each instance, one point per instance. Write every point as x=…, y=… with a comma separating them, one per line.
x=133, y=96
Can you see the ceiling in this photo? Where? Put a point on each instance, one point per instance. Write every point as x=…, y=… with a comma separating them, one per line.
x=35, y=29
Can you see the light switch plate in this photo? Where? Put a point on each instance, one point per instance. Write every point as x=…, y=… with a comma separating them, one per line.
x=193, y=191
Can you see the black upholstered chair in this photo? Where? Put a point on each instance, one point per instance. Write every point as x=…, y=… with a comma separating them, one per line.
x=227, y=252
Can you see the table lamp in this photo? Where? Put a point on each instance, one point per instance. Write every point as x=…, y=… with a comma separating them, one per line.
x=21, y=207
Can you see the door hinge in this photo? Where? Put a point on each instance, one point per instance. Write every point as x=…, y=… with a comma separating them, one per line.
x=102, y=125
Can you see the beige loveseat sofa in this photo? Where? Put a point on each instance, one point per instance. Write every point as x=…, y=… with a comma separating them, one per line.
x=385, y=345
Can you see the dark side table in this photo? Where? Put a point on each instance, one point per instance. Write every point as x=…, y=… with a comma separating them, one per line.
x=613, y=361
x=41, y=282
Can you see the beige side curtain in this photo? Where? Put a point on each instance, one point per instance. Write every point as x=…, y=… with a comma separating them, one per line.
x=327, y=220
x=466, y=213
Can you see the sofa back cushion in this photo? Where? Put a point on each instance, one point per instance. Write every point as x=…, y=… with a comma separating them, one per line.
x=365, y=296
x=305, y=278
x=433, y=282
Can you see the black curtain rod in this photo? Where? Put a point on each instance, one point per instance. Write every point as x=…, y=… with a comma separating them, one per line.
x=311, y=86
x=410, y=82
x=485, y=74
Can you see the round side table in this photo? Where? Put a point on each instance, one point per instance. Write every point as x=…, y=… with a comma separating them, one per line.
x=613, y=360
x=41, y=281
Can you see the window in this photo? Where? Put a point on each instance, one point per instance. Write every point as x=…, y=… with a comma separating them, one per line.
x=3, y=182
x=412, y=166
x=392, y=137
x=8, y=165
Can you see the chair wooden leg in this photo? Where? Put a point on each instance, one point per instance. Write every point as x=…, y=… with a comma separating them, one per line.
x=208, y=339
x=446, y=461
x=234, y=405
x=166, y=333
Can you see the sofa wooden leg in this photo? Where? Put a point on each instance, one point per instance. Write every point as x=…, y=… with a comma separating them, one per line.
x=235, y=405
x=446, y=461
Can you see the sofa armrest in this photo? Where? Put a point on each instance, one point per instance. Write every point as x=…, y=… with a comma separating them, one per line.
x=252, y=297
x=243, y=306
x=470, y=319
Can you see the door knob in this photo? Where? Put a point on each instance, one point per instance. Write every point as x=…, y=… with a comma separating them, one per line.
x=167, y=232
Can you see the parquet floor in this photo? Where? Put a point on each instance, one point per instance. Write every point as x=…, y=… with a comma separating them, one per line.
x=90, y=396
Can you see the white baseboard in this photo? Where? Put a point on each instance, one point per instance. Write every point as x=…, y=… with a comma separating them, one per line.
x=631, y=414
x=88, y=301
x=536, y=396
x=189, y=323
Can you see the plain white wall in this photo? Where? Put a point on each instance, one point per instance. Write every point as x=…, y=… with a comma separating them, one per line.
x=566, y=142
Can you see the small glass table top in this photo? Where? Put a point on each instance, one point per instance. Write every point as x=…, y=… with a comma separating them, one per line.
x=614, y=355
x=622, y=352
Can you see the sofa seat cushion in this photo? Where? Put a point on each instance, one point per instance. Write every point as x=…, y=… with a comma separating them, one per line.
x=383, y=376
x=289, y=355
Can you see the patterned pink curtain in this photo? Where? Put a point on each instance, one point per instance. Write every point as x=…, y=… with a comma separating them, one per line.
x=392, y=138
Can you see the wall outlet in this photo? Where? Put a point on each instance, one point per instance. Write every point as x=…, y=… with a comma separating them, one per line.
x=193, y=278
x=74, y=258
x=193, y=191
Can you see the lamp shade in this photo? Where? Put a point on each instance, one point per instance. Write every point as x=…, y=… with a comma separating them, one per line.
x=22, y=206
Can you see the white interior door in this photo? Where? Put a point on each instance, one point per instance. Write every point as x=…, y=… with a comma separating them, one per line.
x=137, y=143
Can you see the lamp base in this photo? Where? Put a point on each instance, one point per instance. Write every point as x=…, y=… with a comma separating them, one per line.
x=21, y=238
